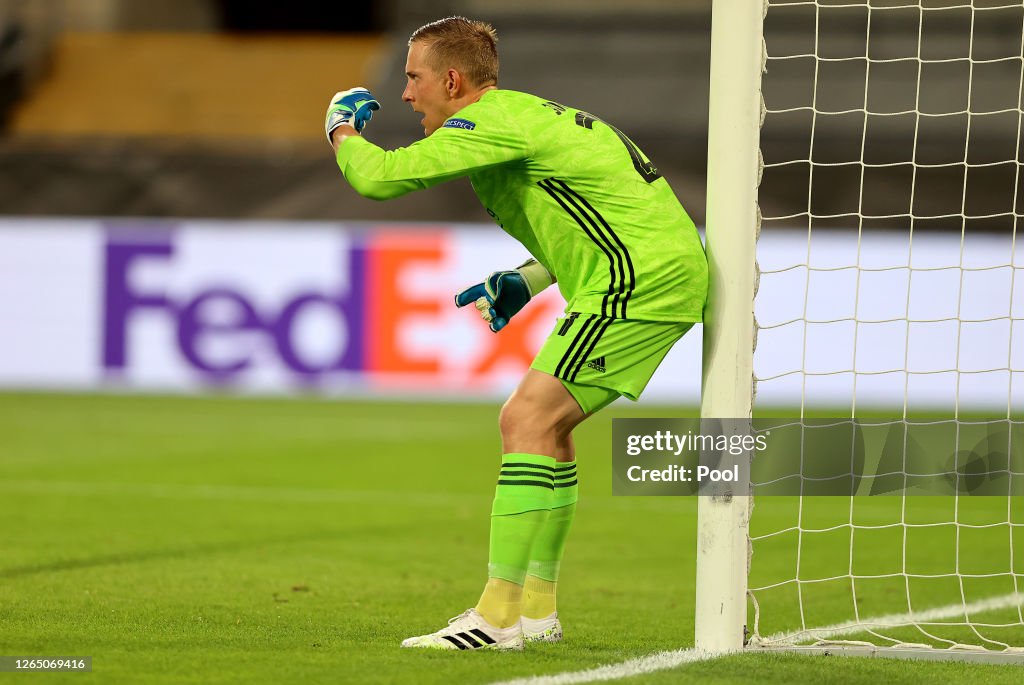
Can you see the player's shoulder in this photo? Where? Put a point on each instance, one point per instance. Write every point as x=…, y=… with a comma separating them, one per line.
x=505, y=99
x=495, y=106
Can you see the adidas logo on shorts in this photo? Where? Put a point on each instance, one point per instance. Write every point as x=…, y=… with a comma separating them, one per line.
x=597, y=364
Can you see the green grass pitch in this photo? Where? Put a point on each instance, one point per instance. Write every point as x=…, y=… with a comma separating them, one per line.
x=219, y=540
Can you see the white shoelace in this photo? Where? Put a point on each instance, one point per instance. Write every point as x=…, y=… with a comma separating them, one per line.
x=463, y=615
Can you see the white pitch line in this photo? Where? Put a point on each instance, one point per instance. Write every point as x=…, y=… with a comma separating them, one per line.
x=662, y=661
x=897, y=620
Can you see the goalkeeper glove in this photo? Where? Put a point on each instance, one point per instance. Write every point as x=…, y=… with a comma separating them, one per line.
x=504, y=293
x=353, y=107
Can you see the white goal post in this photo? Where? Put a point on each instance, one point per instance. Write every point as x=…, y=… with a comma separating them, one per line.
x=925, y=246
x=730, y=237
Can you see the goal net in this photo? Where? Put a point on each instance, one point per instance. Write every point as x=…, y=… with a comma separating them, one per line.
x=890, y=294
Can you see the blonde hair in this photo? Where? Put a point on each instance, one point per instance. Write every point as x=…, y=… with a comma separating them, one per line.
x=464, y=44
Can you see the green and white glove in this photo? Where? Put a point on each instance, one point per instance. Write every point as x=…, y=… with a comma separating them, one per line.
x=353, y=107
x=504, y=293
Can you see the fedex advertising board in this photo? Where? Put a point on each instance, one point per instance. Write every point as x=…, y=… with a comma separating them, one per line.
x=362, y=310
x=267, y=308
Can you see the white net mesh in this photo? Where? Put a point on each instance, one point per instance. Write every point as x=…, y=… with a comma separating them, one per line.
x=889, y=290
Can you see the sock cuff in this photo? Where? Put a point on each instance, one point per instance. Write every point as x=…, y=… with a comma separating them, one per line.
x=507, y=572
x=565, y=475
x=544, y=570
x=539, y=461
x=566, y=483
x=526, y=482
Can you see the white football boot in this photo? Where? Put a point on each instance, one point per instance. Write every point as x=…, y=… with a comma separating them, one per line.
x=469, y=630
x=547, y=629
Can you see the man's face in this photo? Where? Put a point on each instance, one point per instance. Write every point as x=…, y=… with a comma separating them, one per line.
x=425, y=89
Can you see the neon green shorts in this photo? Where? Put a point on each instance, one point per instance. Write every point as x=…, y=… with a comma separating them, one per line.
x=598, y=359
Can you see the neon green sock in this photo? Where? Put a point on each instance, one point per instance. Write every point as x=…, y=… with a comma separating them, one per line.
x=539, y=597
x=549, y=545
x=521, y=502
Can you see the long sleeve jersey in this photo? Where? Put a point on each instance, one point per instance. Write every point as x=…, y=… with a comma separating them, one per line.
x=575, y=191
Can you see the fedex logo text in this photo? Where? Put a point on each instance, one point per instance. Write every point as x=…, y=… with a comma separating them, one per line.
x=372, y=308
x=222, y=311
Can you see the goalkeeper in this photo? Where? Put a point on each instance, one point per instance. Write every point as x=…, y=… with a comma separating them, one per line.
x=598, y=219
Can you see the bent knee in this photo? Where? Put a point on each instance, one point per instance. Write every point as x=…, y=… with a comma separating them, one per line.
x=522, y=413
x=513, y=417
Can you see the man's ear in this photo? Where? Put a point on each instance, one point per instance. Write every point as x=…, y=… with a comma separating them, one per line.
x=453, y=83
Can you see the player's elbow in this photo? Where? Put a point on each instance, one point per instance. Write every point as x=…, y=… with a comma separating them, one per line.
x=377, y=193
x=373, y=190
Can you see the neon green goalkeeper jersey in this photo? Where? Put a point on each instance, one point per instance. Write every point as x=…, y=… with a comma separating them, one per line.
x=575, y=191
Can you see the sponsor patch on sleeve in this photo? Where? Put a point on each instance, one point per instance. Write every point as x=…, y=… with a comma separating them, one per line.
x=459, y=123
